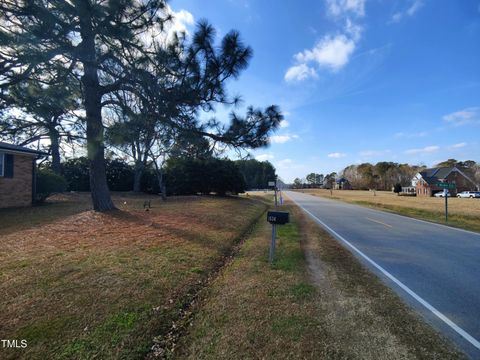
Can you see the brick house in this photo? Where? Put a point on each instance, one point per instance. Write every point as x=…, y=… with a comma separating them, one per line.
x=426, y=181
x=17, y=175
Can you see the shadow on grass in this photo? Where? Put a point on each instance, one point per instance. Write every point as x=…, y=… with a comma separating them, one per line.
x=16, y=219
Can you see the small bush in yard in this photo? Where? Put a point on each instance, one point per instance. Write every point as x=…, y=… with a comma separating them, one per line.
x=49, y=183
x=397, y=188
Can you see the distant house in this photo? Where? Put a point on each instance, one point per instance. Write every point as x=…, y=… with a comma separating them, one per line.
x=17, y=175
x=342, y=184
x=427, y=181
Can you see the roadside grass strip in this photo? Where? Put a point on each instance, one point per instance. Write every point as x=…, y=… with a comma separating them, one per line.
x=315, y=302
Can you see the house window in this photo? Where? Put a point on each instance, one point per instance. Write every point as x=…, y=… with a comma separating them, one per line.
x=2, y=161
x=6, y=165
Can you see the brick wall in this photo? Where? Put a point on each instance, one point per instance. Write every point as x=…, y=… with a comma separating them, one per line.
x=462, y=183
x=17, y=191
x=423, y=189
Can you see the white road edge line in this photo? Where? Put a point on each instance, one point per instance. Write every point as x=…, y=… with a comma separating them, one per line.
x=432, y=309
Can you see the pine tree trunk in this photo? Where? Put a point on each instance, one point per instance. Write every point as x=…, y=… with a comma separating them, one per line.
x=55, y=152
x=161, y=183
x=95, y=138
x=137, y=178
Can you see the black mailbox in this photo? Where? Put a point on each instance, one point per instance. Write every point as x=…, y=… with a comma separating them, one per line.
x=277, y=217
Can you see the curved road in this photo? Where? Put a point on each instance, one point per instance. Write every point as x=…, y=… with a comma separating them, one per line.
x=434, y=268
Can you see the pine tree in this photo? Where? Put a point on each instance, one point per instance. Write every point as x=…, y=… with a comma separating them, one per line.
x=85, y=39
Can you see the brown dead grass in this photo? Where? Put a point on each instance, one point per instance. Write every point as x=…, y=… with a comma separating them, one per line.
x=103, y=285
x=324, y=306
x=463, y=213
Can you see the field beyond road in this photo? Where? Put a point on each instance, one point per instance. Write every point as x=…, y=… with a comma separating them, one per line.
x=77, y=284
x=463, y=213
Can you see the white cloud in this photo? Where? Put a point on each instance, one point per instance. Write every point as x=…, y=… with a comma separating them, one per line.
x=336, y=155
x=332, y=51
x=417, y=4
x=464, y=116
x=397, y=17
x=181, y=23
x=264, y=157
x=409, y=135
x=370, y=153
x=410, y=11
x=300, y=72
x=342, y=7
x=458, y=146
x=281, y=139
x=354, y=30
x=284, y=124
x=425, y=150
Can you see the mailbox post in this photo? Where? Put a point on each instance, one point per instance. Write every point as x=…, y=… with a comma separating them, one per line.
x=274, y=218
x=274, y=185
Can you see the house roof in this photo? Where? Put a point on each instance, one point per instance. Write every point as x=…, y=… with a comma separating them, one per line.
x=16, y=148
x=435, y=175
x=341, y=180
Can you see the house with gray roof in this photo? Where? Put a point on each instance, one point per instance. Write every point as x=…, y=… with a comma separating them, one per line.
x=427, y=182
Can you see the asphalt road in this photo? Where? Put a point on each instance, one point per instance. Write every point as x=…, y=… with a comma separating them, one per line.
x=434, y=268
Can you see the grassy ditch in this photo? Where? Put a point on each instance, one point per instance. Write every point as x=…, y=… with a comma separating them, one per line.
x=87, y=285
x=315, y=302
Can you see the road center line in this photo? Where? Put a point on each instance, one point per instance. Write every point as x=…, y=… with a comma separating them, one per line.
x=379, y=222
x=427, y=305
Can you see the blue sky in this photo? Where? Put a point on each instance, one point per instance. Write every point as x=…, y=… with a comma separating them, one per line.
x=358, y=80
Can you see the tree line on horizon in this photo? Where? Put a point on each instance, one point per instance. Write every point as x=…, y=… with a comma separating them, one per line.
x=383, y=175
x=107, y=76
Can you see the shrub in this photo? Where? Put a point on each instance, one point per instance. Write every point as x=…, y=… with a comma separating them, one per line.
x=397, y=188
x=191, y=176
x=77, y=174
x=48, y=183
